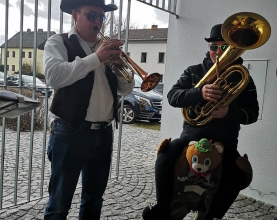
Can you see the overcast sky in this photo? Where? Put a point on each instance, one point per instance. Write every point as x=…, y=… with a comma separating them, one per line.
x=141, y=15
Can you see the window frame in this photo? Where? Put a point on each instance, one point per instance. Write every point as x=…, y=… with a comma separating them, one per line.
x=141, y=57
x=161, y=79
x=163, y=58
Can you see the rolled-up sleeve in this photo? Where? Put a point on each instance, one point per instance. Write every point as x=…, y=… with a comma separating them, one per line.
x=58, y=71
x=124, y=88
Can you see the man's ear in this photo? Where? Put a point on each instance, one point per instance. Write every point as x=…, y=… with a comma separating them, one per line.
x=74, y=15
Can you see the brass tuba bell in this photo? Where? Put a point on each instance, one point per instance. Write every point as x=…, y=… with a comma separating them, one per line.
x=242, y=31
x=149, y=81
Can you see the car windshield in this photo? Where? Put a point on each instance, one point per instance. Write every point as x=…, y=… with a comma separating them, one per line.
x=138, y=81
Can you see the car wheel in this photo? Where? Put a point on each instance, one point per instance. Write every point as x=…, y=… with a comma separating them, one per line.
x=129, y=115
x=154, y=120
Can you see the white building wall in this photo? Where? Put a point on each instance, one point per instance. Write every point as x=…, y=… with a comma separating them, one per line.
x=186, y=46
x=152, y=49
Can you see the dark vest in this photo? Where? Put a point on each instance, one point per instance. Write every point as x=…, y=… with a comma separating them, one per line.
x=70, y=103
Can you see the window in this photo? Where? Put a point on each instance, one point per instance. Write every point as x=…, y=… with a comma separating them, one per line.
x=13, y=67
x=161, y=79
x=161, y=57
x=143, y=57
x=8, y=53
x=23, y=54
x=30, y=55
x=13, y=54
x=8, y=68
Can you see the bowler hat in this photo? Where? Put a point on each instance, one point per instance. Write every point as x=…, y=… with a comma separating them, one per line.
x=215, y=34
x=68, y=5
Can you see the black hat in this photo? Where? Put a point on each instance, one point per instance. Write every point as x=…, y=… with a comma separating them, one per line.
x=215, y=34
x=68, y=5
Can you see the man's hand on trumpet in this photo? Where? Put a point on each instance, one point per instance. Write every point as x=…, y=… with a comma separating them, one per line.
x=107, y=49
x=108, y=53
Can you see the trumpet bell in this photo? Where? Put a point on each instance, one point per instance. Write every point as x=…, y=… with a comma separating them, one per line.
x=246, y=30
x=150, y=82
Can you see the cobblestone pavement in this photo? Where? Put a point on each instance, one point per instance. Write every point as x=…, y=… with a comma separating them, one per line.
x=125, y=197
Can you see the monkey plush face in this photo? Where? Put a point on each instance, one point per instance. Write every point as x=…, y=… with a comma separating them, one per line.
x=204, y=156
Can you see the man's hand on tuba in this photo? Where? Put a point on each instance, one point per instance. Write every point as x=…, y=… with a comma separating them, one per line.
x=220, y=111
x=211, y=92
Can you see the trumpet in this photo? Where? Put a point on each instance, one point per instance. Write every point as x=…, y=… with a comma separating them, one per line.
x=149, y=81
x=242, y=31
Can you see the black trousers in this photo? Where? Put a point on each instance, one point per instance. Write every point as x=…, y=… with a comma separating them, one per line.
x=228, y=190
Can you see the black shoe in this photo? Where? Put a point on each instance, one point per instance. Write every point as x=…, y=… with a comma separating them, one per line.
x=155, y=212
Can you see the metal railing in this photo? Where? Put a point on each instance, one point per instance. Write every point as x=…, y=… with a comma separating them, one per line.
x=169, y=6
x=16, y=166
x=24, y=171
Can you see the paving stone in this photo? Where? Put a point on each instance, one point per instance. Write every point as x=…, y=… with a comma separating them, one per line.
x=125, y=196
x=274, y=210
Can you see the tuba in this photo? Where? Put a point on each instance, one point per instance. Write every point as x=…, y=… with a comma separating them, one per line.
x=242, y=31
x=149, y=81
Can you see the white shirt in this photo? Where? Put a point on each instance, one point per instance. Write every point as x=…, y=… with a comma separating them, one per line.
x=60, y=73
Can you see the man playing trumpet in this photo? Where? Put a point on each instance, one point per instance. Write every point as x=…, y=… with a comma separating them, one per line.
x=84, y=106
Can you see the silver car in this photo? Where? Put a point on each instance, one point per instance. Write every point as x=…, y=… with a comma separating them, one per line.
x=27, y=81
x=2, y=78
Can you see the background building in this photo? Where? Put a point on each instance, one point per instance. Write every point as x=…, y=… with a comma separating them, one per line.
x=147, y=47
x=27, y=50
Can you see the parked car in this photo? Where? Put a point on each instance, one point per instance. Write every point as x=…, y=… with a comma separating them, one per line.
x=159, y=88
x=140, y=105
x=27, y=81
x=2, y=78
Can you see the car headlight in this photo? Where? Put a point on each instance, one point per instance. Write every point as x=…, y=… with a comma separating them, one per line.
x=143, y=101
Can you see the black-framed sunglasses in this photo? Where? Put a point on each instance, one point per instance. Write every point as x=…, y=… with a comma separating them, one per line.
x=214, y=47
x=92, y=16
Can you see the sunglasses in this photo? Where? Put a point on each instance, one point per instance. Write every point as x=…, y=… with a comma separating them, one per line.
x=214, y=47
x=92, y=16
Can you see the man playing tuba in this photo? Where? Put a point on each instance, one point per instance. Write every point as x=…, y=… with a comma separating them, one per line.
x=224, y=128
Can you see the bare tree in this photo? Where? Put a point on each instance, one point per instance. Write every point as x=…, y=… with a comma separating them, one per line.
x=144, y=26
x=27, y=67
x=107, y=24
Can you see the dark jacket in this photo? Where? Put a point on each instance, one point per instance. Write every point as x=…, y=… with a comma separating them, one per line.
x=243, y=110
x=70, y=103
